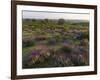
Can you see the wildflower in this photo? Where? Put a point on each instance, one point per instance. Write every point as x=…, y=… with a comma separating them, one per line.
x=35, y=56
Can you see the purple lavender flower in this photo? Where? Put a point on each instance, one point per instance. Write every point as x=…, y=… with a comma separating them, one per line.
x=35, y=53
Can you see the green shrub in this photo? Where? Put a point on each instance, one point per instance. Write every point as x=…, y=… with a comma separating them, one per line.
x=79, y=62
x=84, y=35
x=61, y=21
x=51, y=41
x=65, y=49
x=57, y=37
x=28, y=42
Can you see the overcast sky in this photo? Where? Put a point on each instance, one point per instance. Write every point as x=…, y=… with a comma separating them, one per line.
x=54, y=15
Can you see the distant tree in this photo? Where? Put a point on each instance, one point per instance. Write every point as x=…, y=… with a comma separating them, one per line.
x=33, y=19
x=46, y=20
x=61, y=21
x=26, y=19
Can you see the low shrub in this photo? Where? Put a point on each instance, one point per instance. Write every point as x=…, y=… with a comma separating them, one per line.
x=51, y=41
x=84, y=36
x=28, y=42
x=65, y=49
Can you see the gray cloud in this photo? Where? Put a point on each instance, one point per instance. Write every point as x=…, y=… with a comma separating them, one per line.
x=54, y=15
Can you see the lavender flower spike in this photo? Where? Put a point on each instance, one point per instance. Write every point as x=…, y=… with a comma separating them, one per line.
x=35, y=53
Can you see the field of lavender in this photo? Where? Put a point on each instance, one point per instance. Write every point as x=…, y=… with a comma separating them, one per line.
x=54, y=43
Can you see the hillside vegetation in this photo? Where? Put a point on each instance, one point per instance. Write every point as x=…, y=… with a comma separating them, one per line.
x=54, y=43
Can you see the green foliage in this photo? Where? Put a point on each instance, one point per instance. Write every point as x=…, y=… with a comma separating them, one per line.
x=61, y=21
x=84, y=35
x=28, y=42
x=65, y=49
x=80, y=62
x=51, y=41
